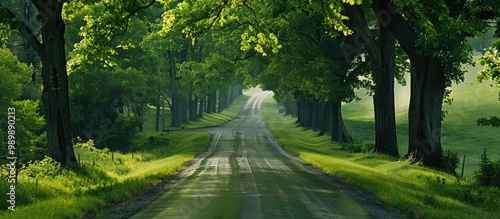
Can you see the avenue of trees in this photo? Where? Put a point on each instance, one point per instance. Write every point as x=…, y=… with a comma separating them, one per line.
x=103, y=64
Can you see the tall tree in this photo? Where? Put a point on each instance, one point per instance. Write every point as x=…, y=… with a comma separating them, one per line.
x=381, y=54
x=51, y=50
x=432, y=33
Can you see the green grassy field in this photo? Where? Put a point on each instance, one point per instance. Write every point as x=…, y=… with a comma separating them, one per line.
x=413, y=191
x=460, y=132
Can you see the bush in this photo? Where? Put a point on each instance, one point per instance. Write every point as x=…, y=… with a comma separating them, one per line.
x=450, y=161
x=489, y=172
x=123, y=134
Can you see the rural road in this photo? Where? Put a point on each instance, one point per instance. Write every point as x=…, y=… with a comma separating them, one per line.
x=245, y=174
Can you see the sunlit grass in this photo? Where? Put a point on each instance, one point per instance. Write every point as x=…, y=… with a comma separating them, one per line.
x=104, y=178
x=413, y=191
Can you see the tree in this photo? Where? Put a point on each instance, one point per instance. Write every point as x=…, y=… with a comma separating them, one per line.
x=382, y=57
x=51, y=50
x=433, y=36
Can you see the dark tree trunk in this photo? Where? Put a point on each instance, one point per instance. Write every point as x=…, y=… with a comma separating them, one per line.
x=383, y=100
x=382, y=60
x=193, y=109
x=424, y=116
x=338, y=130
x=315, y=114
x=308, y=113
x=55, y=83
x=323, y=118
x=212, y=102
x=427, y=91
x=184, y=110
x=174, y=112
x=300, y=110
x=222, y=101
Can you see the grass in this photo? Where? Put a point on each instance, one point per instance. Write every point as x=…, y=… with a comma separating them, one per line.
x=413, y=191
x=104, y=177
x=460, y=132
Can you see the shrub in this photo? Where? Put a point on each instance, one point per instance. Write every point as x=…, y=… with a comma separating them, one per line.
x=489, y=172
x=450, y=161
x=123, y=134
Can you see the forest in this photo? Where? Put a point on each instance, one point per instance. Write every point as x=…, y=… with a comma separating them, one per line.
x=91, y=90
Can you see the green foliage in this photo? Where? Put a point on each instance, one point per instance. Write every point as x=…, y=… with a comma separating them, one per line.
x=123, y=135
x=493, y=121
x=29, y=124
x=105, y=31
x=46, y=167
x=13, y=74
x=30, y=131
x=100, y=96
x=491, y=63
x=489, y=171
x=450, y=161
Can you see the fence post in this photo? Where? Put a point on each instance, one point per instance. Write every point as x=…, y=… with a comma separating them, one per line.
x=463, y=166
x=112, y=155
x=79, y=161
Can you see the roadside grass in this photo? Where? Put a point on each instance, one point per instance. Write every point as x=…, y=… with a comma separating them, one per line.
x=460, y=132
x=105, y=177
x=411, y=190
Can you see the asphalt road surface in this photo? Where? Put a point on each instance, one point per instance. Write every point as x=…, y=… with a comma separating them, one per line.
x=246, y=174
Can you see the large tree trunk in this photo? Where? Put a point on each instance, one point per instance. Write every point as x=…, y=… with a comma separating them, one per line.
x=193, y=108
x=427, y=91
x=212, y=102
x=338, y=130
x=383, y=100
x=424, y=116
x=382, y=60
x=174, y=112
x=55, y=91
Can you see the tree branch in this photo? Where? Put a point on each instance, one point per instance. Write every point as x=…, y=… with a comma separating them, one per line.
x=23, y=29
x=126, y=20
x=405, y=35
